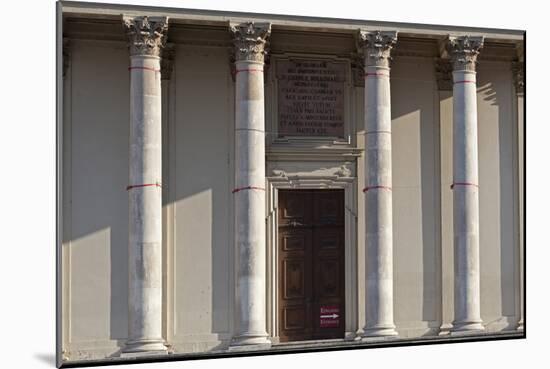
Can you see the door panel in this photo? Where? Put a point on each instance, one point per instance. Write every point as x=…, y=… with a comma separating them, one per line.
x=311, y=264
x=293, y=281
x=328, y=208
x=294, y=208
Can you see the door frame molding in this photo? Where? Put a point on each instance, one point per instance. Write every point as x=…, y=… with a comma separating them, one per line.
x=312, y=175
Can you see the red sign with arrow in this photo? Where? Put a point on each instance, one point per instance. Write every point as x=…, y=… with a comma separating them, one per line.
x=329, y=316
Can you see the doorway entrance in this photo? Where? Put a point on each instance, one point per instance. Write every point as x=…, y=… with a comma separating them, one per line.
x=311, y=265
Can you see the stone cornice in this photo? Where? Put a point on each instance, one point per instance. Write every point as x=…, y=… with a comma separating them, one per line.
x=463, y=51
x=297, y=152
x=217, y=17
x=146, y=35
x=376, y=46
x=250, y=41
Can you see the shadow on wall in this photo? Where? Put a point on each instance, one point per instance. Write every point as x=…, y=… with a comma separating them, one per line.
x=413, y=106
x=96, y=208
x=490, y=95
x=98, y=202
x=421, y=103
x=204, y=135
x=509, y=248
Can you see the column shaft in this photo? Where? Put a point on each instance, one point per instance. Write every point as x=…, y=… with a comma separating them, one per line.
x=521, y=133
x=465, y=186
x=250, y=202
x=144, y=196
x=378, y=182
x=466, y=202
x=519, y=82
x=249, y=192
x=446, y=269
x=145, y=204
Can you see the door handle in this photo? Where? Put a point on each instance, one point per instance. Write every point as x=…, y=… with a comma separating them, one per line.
x=294, y=223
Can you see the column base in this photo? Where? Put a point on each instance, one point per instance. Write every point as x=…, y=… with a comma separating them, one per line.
x=379, y=333
x=520, y=326
x=445, y=329
x=352, y=336
x=144, y=348
x=249, y=342
x=471, y=327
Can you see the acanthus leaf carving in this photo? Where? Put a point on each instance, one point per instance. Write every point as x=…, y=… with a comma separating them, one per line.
x=250, y=41
x=463, y=51
x=377, y=46
x=146, y=35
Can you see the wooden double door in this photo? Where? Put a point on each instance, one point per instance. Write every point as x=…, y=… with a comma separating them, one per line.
x=311, y=265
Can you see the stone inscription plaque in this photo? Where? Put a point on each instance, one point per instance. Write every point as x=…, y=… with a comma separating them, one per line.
x=311, y=98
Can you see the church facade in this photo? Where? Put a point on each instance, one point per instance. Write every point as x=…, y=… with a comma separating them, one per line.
x=234, y=182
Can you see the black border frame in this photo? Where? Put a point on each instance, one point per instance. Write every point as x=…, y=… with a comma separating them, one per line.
x=274, y=350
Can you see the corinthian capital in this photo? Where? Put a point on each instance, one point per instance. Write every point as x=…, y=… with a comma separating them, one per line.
x=519, y=77
x=377, y=46
x=463, y=51
x=518, y=68
x=146, y=35
x=250, y=40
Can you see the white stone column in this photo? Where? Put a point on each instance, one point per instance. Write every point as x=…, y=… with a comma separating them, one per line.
x=166, y=68
x=249, y=193
x=146, y=37
x=444, y=77
x=467, y=316
x=519, y=83
x=378, y=184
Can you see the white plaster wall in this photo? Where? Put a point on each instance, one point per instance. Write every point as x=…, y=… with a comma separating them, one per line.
x=415, y=182
x=498, y=248
x=96, y=171
x=498, y=253
x=445, y=101
x=203, y=248
x=96, y=224
x=96, y=232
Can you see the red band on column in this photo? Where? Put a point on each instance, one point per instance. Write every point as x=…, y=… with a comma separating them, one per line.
x=376, y=74
x=144, y=185
x=248, y=188
x=248, y=70
x=388, y=132
x=145, y=68
x=463, y=184
x=250, y=129
x=466, y=81
x=375, y=187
